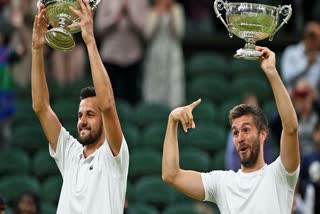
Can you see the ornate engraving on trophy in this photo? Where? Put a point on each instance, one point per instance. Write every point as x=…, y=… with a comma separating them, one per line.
x=259, y=26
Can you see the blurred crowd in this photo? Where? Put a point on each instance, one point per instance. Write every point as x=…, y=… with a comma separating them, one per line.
x=141, y=45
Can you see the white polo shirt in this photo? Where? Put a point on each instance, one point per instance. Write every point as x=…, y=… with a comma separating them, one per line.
x=92, y=185
x=268, y=190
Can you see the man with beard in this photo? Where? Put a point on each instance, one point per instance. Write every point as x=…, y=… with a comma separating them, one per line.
x=95, y=168
x=256, y=187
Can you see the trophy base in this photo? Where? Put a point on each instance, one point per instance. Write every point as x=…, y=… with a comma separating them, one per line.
x=60, y=39
x=248, y=54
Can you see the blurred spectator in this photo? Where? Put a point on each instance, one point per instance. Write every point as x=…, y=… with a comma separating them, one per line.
x=11, y=24
x=3, y=206
x=164, y=80
x=69, y=66
x=22, y=14
x=303, y=205
x=120, y=25
x=304, y=98
x=314, y=173
x=302, y=60
x=310, y=169
x=232, y=160
x=13, y=48
x=307, y=160
x=7, y=98
x=28, y=203
x=305, y=102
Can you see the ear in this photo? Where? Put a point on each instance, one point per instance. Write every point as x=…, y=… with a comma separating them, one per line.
x=263, y=135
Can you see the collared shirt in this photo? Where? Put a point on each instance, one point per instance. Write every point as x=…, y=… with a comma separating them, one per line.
x=268, y=190
x=96, y=184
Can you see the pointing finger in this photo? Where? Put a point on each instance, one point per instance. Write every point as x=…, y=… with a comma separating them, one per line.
x=195, y=104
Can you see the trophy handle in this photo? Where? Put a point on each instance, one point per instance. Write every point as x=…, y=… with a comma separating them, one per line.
x=285, y=10
x=220, y=5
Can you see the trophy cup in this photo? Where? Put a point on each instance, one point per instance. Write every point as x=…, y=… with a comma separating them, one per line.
x=59, y=17
x=251, y=22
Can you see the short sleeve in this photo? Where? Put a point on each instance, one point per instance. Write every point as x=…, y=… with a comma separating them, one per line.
x=212, y=184
x=67, y=147
x=121, y=161
x=282, y=174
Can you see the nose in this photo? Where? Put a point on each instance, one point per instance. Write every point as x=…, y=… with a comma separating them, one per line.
x=240, y=137
x=82, y=121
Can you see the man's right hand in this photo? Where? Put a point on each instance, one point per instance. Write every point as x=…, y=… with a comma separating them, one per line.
x=184, y=115
x=39, y=29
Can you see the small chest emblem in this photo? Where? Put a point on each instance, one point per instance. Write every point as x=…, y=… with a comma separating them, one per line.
x=91, y=167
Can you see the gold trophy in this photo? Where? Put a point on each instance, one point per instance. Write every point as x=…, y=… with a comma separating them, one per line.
x=251, y=22
x=59, y=16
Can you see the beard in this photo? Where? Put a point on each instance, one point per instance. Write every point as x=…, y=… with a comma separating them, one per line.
x=249, y=158
x=90, y=138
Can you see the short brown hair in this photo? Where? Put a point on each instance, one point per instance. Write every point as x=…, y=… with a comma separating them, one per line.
x=259, y=118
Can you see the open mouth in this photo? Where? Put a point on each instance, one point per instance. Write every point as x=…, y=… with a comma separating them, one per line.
x=243, y=149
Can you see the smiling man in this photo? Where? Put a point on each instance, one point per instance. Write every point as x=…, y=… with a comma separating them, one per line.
x=256, y=187
x=94, y=167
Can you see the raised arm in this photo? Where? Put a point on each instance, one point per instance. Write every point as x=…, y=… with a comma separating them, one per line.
x=152, y=23
x=289, y=143
x=100, y=78
x=178, y=20
x=137, y=14
x=40, y=93
x=107, y=17
x=187, y=181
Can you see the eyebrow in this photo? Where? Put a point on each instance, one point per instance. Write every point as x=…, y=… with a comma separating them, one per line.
x=244, y=124
x=87, y=111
